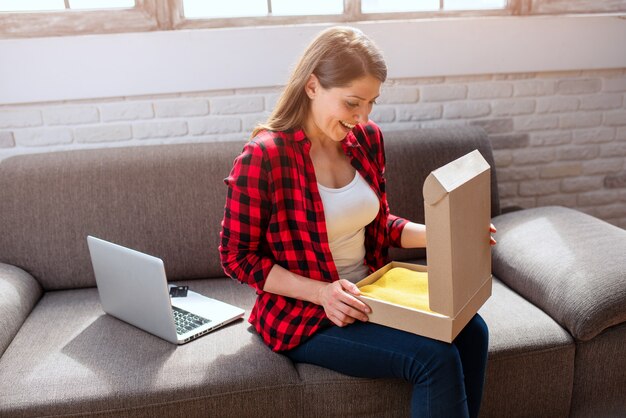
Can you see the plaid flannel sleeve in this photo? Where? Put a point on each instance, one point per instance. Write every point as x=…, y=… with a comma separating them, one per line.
x=395, y=225
x=246, y=216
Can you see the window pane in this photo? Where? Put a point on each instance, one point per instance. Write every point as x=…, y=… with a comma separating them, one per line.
x=101, y=4
x=31, y=5
x=385, y=6
x=306, y=7
x=195, y=9
x=473, y=4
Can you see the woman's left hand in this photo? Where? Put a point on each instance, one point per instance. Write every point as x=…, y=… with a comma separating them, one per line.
x=492, y=229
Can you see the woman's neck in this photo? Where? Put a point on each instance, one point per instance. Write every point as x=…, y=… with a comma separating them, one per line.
x=319, y=140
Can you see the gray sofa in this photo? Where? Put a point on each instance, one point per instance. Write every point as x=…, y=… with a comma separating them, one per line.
x=557, y=316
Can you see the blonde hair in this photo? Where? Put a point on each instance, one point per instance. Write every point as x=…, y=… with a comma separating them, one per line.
x=337, y=56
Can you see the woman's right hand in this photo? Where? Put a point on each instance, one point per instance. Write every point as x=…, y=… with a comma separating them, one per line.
x=340, y=305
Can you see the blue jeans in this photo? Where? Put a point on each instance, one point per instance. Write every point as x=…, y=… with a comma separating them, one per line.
x=447, y=378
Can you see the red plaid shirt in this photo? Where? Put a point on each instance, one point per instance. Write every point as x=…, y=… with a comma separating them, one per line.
x=274, y=215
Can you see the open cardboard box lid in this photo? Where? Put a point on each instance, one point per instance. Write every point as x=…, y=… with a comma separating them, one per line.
x=457, y=206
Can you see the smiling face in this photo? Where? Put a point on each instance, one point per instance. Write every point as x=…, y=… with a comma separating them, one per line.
x=335, y=111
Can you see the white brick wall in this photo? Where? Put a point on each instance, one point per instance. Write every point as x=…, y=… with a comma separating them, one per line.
x=20, y=118
x=558, y=138
x=126, y=111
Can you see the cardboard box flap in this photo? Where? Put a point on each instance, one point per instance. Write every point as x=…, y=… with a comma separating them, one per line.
x=457, y=206
x=447, y=178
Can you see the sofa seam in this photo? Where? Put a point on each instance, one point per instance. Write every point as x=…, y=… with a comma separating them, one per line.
x=571, y=345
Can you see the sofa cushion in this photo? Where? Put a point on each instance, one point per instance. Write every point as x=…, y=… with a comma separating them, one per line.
x=530, y=357
x=19, y=292
x=568, y=263
x=600, y=379
x=71, y=358
x=167, y=201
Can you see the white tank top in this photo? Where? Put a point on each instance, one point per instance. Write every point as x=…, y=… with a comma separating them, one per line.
x=348, y=210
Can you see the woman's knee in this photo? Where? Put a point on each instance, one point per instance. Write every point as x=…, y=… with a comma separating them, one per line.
x=476, y=331
x=444, y=359
x=440, y=361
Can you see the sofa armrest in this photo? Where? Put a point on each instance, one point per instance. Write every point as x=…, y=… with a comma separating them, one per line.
x=569, y=264
x=19, y=292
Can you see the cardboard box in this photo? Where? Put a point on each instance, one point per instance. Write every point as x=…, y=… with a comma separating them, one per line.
x=457, y=204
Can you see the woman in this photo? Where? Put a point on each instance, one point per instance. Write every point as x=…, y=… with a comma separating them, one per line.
x=306, y=217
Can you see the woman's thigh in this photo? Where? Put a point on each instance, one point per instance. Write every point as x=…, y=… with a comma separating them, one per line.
x=364, y=349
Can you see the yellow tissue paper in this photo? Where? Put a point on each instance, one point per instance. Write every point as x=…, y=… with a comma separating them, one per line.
x=401, y=286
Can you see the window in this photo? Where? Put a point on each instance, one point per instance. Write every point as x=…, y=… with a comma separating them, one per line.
x=385, y=6
x=34, y=18
x=59, y=5
x=259, y=12
x=201, y=13
x=193, y=9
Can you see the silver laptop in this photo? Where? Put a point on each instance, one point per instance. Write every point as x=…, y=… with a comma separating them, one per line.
x=133, y=287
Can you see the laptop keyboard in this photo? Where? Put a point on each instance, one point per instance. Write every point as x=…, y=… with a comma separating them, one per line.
x=186, y=321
